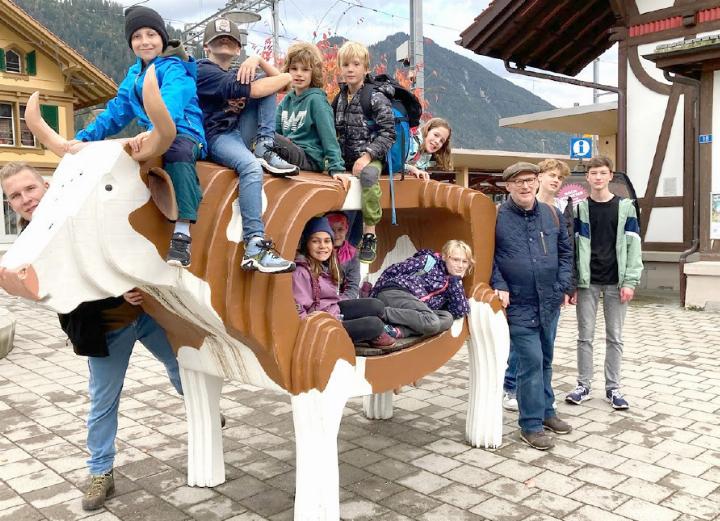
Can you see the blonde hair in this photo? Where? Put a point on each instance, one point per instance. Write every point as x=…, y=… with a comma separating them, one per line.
x=15, y=167
x=553, y=164
x=455, y=244
x=443, y=157
x=306, y=54
x=350, y=50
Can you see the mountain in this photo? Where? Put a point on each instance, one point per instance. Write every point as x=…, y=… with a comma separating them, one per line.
x=457, y=88
x=473, y=99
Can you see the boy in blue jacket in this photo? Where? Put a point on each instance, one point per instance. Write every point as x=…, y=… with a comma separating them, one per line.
x=146, y=34
x=238, y=111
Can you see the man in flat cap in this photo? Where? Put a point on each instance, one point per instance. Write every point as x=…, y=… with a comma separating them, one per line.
x=532, y=276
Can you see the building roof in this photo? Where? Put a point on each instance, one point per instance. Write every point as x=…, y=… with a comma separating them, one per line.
x=599, y=119
x=688, y=57
x=89, y=84
x=561, y=36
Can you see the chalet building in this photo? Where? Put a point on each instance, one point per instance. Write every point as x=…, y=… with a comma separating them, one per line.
x=668, y=110
x=33, y=59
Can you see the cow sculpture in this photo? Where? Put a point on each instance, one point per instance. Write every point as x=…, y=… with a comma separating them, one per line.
x=101, y=230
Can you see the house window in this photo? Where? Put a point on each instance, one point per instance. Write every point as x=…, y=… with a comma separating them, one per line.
x=7, y=126
x=13, y=63
x=27, y=139
x=10, y=222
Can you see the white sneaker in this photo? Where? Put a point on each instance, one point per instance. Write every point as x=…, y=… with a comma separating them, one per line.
x=509, y=401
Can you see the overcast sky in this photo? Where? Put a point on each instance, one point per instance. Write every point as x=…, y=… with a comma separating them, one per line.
x=370, y=21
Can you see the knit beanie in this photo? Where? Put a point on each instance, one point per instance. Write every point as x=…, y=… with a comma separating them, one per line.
x=314, y=225
x=138, y=16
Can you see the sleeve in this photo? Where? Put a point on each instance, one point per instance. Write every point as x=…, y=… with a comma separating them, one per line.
x=214, y=82
x=117, y=114
x=457, y=302
x=382, y=114
x=352, y=279
x=302, y=291
x=496, y=280
x=177, y=89
x=565, y=255
x=325, y=125
x=570, y=227
x=634, y=264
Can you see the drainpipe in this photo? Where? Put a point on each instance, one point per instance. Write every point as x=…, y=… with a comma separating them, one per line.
x=695, y=245
x=621, y=138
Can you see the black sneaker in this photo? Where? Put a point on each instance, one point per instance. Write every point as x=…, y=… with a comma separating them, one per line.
x=368, y=248
x=179, y=253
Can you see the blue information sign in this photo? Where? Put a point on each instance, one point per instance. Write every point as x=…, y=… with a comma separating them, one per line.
x=580, y=148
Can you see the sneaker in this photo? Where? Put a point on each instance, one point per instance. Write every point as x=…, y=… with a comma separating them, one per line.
x=579, y=395
x=101, y=487
x=260, y=255
x=557, y=425
x=383, y=341
x=368, y=248
x=615, y=397
x=537, y=440
x=272, y=162
x=179, y=253
x=394, y=331
x=509, y=401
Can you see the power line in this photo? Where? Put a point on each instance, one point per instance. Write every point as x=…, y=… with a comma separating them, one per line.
x=393, y=15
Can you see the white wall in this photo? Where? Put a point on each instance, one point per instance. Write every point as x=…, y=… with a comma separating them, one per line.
x=646, y=6
x=716, y=133
x=665, y=225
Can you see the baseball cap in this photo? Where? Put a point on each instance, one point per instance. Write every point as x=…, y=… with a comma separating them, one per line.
x=222, y=27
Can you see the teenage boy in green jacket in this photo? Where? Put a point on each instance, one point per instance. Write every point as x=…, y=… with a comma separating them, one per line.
x=609, y=262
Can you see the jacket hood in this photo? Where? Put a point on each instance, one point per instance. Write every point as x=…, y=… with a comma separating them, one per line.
x=175, y=49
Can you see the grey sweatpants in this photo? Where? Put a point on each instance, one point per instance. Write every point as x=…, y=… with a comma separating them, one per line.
x=614, y=312
x=411, y=315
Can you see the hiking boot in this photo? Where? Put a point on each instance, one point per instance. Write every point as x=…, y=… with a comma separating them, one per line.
x=260, y=255
x=537, y=440
x=179, y=252
x=368, y=248
x=557, y=425
x=101, y=487
x=510, y=401
x=394, y=331
x=616, y=399
x=579, y=395
x=383, y=341
x=273, y=163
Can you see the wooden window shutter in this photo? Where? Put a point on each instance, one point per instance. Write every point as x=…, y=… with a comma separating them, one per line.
x=2, y=59
x=31, y=63
x=50, y=114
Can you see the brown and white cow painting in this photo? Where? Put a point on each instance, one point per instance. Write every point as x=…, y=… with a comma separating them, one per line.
x=98, y=233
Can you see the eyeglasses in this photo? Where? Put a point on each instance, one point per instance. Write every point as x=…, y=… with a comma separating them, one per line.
x=526, y=181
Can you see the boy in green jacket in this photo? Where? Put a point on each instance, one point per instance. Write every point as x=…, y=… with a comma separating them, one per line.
x=609, y=262
x=304, y=119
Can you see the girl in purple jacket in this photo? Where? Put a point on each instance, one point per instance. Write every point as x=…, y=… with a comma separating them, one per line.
x=424, y=294
x=316, y=283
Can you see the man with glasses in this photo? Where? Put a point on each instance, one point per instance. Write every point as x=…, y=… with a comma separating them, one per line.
x=532, y=273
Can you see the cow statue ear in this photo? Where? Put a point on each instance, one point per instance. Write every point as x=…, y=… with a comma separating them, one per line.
x=163, y=193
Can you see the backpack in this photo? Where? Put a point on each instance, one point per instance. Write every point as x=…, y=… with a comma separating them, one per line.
x=406, y=109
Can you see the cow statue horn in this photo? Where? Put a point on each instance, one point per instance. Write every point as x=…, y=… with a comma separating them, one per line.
x=156, y=144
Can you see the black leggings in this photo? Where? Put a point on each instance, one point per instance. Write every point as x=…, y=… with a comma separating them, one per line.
x=362, y=318
x=293, y=154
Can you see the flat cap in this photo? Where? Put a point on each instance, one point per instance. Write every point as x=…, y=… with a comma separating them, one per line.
x=516, y=168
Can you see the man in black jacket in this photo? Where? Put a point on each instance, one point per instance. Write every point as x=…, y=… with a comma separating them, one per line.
x=532, y=274
x=103, y=330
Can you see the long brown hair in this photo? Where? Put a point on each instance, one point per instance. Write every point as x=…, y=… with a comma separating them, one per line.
x=316, y=267
x=309, y=55
x=443, y=157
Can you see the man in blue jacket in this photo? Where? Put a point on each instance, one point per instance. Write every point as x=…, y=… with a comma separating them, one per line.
x=532, y=277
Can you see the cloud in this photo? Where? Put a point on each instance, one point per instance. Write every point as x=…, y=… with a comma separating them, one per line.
x=370, y=21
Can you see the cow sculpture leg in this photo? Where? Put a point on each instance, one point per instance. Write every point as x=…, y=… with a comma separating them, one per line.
x=488, y=347
x=206, y=467
x=317, y=418
x=378, y=406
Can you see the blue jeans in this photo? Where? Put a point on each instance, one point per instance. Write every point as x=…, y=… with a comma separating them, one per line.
x=510, y=383
x=233, y=150
x=107, y=375
x=534, y=351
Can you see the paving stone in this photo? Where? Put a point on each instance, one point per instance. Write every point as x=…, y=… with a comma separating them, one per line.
x=691, y=485
x=216, y=509
x=410, y=503
x=599, y=496
x=449, y=513
x=556, y=483
x=640, y=510
x=644, y=490
x=498, y=509
x=551, y=504
x=460, y=496
x=424, y=482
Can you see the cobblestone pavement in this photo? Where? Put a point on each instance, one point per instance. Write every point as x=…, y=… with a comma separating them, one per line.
x=659, y=461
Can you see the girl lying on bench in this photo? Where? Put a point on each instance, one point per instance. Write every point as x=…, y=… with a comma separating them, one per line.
x=424, y=294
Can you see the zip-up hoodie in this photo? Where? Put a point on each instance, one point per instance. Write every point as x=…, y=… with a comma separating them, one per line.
x=324, y=297
x=176, y=73
x=627, y=245
x=308, y=121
